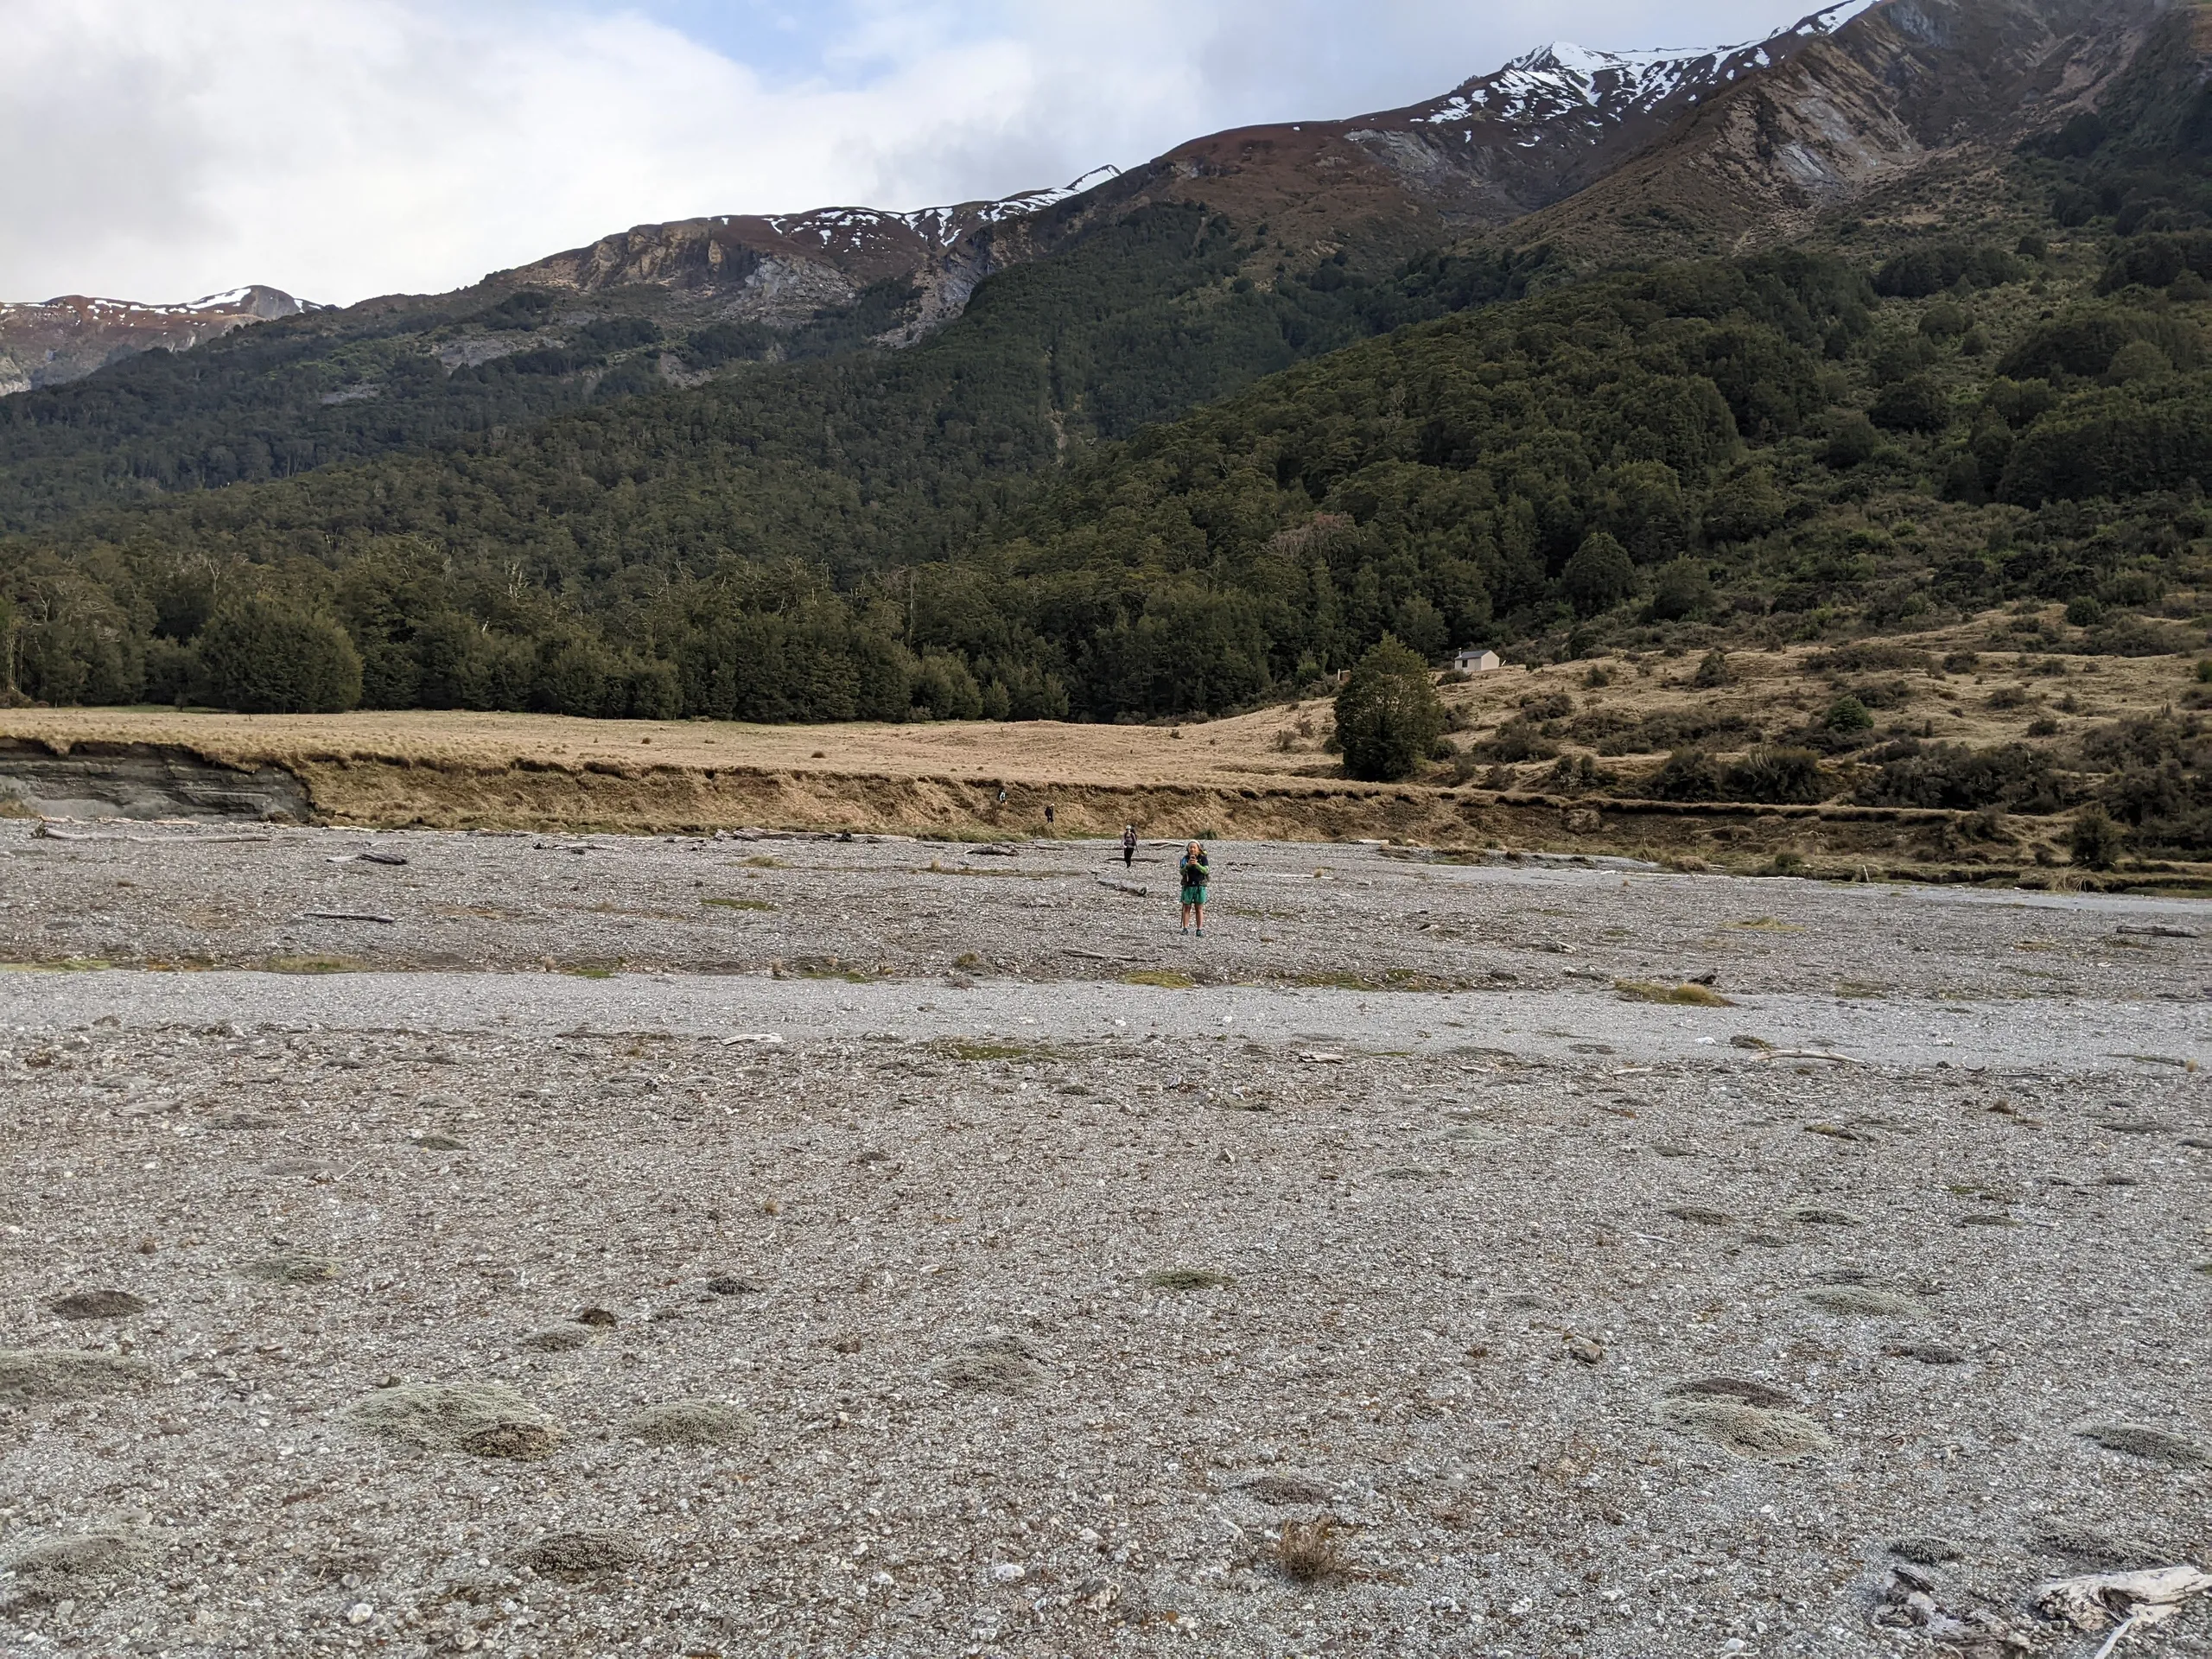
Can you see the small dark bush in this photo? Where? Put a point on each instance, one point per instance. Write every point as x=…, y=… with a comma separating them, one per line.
x=1962, y=779
x=2094, y=839
x=1688, y=775
x=1848, y=715
x=1713, y=671
x=1777, y=778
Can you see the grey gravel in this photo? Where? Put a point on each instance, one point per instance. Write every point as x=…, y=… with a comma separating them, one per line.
x=913, y=1319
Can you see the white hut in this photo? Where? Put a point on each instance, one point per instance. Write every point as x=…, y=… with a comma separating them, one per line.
x=1475, y=660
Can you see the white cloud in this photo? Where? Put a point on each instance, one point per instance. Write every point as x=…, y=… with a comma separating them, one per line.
x=162, y=148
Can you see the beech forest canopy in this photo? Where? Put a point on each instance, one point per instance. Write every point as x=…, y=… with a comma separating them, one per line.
x=1134, y=480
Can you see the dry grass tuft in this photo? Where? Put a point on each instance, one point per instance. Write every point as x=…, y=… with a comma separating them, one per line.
x=1862, y=1302
x=1309, y=1552
x=42, y=1375
x=89, y=1554
x=993, y=1364
x=1735, y=1388
x=690, y=1422
x=1188, y=1278
x=293, y=1270
x=2142, y=1440
x=97, y=1305
x=561, y=1554
x=486, y=1419
x=1753, y=1431
x=1686, y=997
x=561, y=1338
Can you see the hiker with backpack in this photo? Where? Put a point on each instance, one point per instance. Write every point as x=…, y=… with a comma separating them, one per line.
x=1194, y=873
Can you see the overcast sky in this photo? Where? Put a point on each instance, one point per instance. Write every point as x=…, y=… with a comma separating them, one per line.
x=161, y=150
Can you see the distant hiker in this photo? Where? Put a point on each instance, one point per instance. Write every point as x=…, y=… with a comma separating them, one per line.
x=1194, y=872
x=1128, y=846
x=1002, y=794
x=1048, y=817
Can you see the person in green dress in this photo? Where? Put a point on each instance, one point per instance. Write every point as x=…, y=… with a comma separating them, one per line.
x=1194, y=874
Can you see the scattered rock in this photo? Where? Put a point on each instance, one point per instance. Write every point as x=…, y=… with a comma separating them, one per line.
x=560, y=1554
x=1753, y=1431
x=487, y=1420
x=1862, y=1300
x=690, y=1422
x=42, y=1376
x=598, y=1317
x=2147, y=1441
x=1586, y=1351
x=97, y=1305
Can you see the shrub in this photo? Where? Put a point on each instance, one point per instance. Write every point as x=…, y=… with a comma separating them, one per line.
x=1962, y=779
x=1388, y=716
x=1713, y=671
x=262, y=656
x=1776, y=778
x=2094, y=839
x=1848, y=715
x=1519, y=739
x=1688, y=775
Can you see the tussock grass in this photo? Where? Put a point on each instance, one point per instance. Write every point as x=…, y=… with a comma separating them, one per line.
x=1863, y=1301
x=561, y=1554
x=1310, y=1553
x=1689, y=996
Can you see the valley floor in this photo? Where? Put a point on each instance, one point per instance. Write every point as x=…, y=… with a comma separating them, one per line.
x=702, y=1247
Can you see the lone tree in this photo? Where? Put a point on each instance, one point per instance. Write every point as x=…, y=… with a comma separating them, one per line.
x=1600, y=576
x=1388, y=716
x=262, y=656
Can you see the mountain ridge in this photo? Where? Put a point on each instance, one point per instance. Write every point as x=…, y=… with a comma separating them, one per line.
x=50, y=342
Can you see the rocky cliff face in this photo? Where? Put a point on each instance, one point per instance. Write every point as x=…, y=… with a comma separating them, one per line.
x=62, y=339
x=1908, y=86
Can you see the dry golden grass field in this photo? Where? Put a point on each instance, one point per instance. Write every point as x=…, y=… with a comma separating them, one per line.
x=1266, y=774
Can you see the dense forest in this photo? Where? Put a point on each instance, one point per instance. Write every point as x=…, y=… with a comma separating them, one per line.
x=1022, y=517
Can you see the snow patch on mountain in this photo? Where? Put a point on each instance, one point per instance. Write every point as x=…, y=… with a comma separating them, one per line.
x=1563, y=80
x=939, y=226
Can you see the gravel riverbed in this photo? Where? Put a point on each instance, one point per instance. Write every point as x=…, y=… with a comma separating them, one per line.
x=832, y=1255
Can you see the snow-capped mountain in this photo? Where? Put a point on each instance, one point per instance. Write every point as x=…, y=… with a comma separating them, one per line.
x=61, y=339
x=780, y=268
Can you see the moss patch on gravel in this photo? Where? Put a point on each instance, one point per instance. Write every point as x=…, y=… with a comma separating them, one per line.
x=486, y=1419
x=40, y=1375
x=1752, y=1431
x=1862, y=1302
x=690, y=1422
x=1187, y=1278
x=2149, y=1442
x=1687, y=996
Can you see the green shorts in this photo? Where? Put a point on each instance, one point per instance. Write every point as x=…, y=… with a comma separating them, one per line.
x=1194, y=895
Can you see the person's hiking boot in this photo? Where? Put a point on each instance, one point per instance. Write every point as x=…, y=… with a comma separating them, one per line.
x=1202, y=932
